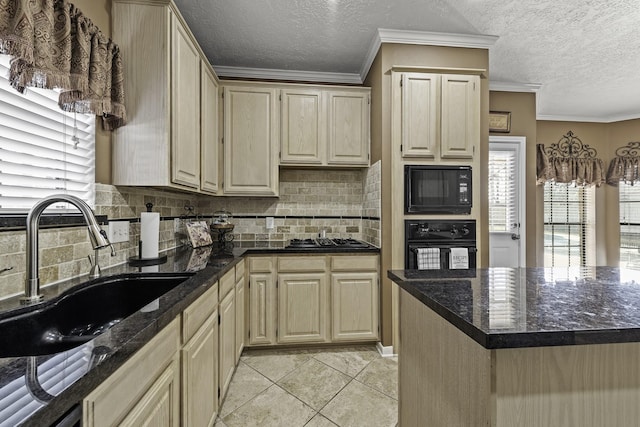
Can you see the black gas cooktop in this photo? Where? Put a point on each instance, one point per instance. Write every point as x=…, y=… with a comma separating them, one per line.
x=324, y=242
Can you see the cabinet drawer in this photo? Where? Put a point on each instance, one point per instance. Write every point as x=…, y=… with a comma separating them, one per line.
x=196, y=314
x=227, y=283
x=354, y=263
x=302, y=263
x=239, y=270
x=261, y=264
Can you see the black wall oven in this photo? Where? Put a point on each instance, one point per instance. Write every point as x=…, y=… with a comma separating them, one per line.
x=431, y=189
x=436, y=239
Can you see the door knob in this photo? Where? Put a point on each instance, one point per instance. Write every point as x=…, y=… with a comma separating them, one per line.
x=515, y=236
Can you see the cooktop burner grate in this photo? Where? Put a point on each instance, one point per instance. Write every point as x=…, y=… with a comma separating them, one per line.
x=324, y=242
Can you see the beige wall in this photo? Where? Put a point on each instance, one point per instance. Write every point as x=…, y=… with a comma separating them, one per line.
x=522, y=107
x=99, y=11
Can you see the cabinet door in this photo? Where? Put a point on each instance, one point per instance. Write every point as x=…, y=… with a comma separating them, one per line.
x=227, y=338
x=240, y=329
x=160, y=406
x=348, y=128
x=303, y=127
x=208, y=131
x=420, y=103
x=460, y=115
x=185, y=103
x=250, y=141
x=262, y=309
x=354, y=298
x=302, y=307
x=200, y=375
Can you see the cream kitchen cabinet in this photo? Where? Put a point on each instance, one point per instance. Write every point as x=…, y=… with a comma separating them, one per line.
x=240, y=309
x=313, y=299
x=209, y=142
x=250, y=142
x=303, y=299
x=324, y=127
x=354, y=298
x=349, y=127
x=168, y=85
x=145, y=390
x=227, y=331
x=262, y=300
x=200, y=360
x=440, y=115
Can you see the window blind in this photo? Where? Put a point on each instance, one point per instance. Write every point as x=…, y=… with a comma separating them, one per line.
x=569, y=225
x=43, y=150
x=629, y=225
x=503, y=214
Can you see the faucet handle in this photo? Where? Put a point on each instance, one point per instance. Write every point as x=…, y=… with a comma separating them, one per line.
x=104, y=234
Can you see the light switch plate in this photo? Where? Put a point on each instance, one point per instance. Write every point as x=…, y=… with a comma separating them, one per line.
x=270, y=223
x=118, y=231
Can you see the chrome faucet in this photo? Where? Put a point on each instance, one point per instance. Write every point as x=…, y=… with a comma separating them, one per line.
x=96, y=234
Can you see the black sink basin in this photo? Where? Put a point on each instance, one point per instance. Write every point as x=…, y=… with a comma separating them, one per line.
x=80, y=314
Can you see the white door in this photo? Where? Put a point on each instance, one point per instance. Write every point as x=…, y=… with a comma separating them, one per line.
x=506, y=201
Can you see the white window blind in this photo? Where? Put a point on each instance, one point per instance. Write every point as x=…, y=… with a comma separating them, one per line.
x=629, y=225
x=43, y=150
x=569, y=225
x=503, y=214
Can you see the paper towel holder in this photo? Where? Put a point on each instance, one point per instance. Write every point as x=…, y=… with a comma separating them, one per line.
x=138, y=261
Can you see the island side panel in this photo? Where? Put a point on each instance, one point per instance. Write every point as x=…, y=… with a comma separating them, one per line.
x=579, y=385
x=444, y=376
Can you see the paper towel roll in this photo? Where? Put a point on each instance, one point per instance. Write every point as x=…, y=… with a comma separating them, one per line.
x=149, y=234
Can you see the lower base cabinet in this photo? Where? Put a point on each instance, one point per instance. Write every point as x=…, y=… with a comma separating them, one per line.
x=200, y=375
x=227, y=340
x=354, y=306
x=145, y=390
x=313, y=299
x=158, y=406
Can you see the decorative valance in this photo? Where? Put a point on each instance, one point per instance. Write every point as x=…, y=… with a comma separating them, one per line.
x=569, y=161
x=55, y=46
x=624, y=167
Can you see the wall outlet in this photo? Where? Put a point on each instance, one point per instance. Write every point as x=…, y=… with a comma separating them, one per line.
x=118, y=231
x=270, y=223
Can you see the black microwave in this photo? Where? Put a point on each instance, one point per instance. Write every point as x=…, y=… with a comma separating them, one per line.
x=432, y=189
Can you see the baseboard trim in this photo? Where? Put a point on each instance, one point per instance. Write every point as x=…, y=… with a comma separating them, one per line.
x=385, y=351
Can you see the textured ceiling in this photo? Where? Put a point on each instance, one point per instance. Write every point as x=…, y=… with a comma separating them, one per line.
x=585, y=54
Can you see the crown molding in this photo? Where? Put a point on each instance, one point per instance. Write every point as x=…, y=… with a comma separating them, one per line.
x=474, y=41
x=514, y=87
x=588, y=119
x=273, y=74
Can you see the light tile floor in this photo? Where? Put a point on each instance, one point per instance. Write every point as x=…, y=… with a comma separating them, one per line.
x=342, y=386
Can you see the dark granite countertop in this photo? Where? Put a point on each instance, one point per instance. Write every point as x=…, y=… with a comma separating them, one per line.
x=75, y=373
x=532, y=307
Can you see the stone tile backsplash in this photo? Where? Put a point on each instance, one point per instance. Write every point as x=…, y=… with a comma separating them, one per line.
x=346, y=203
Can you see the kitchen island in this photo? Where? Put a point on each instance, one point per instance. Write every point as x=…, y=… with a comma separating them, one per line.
x=519, y=347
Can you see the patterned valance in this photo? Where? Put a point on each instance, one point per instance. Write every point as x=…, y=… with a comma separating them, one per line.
x=54, y=45
x=569, y=161
x=624, y=167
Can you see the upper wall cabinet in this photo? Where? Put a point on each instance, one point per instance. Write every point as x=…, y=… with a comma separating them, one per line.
x=440, y=115
x=208, y=130
x=324, y=126
x=170, y=90
x=250, y=140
